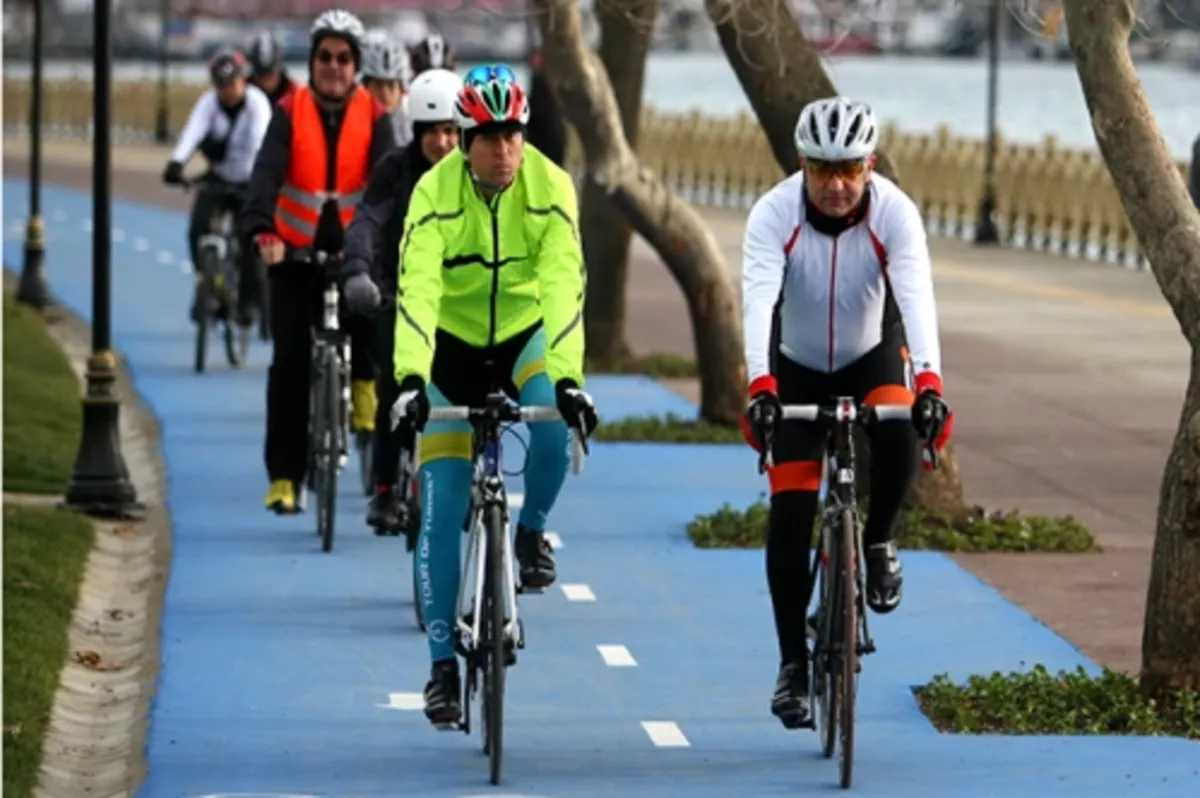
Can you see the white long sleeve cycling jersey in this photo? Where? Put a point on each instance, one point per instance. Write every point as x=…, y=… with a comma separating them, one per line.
x=242, y=131
x=832, y=291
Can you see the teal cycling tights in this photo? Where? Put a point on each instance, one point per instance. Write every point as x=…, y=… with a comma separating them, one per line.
x=445, y=479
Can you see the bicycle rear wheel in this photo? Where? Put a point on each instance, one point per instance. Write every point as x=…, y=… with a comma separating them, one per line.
x=327, y=454
x=497, y=655
x=205, y=293
x=848, y=678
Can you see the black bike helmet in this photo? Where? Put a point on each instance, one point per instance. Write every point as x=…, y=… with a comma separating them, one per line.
x=265, y=54
x=433, y=52
x=226, y=66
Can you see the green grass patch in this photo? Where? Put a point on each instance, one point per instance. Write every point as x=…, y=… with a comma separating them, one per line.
x=44, y=556
x=1067, y=702
x=41, y=406
x=659, y=366
x=976, y=531
x=667, y=429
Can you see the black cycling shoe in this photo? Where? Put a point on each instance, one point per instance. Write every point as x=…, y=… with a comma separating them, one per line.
x=790, y=702
x=442, y=695
x=535, y=559
x=885, y=578
x=384, y=512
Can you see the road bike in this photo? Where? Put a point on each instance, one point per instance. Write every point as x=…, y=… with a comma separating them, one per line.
x=839, y=629
x=217, y=254
x=488, y=629
x=329, y=397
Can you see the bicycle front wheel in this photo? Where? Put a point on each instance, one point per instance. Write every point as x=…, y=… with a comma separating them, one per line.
x=497, y=654
x=848, y=679
x=328, y=450
x=825, y=662
x=205, y=294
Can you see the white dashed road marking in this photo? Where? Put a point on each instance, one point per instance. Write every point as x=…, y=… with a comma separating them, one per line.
x=164, y=257
x=86, y=225
x=665, y=734
x=516, y=500
x=118, y=235
x=616, y=656
x=578, y=592
x=141, y=244
x=405, y=701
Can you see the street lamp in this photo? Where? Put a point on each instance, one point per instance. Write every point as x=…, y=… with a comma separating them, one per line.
x=162, y=132
x=32, y=289
x=985, y=227
x=100, y=482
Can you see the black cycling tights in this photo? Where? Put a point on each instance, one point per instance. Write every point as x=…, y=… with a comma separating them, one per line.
x=795, y=479
x=296, y=308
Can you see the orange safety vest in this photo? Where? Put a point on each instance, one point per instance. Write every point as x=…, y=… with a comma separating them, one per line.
x=305, y=189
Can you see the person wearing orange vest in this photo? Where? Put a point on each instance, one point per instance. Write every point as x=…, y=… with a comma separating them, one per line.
x=310, y=173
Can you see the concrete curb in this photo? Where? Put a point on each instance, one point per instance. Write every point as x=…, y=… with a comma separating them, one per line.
x=96, y=738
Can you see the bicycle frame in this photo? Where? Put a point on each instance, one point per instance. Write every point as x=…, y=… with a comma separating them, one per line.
x=487, y=491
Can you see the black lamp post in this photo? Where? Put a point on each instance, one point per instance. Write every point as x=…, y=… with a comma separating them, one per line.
x=32, y=289
x=100, y=482
x=985, y=229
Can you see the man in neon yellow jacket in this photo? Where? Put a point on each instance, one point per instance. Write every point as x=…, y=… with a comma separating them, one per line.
x=490, y=295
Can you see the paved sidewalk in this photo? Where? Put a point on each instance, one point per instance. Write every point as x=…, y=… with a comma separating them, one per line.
x=1066, y=377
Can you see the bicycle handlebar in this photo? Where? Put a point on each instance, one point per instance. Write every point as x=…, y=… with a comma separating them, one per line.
x=532, y=414
x=841, y=412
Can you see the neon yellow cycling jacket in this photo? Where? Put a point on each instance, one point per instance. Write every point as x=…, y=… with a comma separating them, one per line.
x=485, y=272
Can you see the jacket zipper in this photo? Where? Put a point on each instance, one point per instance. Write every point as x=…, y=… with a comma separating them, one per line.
x=493, y=208
x=832, y=304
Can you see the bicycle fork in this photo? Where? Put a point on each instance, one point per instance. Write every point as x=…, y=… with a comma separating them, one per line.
x=468, y=620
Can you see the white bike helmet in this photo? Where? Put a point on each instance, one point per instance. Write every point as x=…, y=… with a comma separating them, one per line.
x=836, y=129
x=432, y=96
x=341, y=24
x=384, y=58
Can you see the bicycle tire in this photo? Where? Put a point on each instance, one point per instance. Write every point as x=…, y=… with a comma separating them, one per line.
x=824, y=679
x=497, y=654
x=204, y=295
x=846, y=576
x=328, y=493
x=324, y=454
x=364, y=442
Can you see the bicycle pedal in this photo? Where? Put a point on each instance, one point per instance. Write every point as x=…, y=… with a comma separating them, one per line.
x=526, y=590
x=449, y=727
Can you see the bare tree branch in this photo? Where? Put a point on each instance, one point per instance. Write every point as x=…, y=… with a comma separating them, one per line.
x=669, y=225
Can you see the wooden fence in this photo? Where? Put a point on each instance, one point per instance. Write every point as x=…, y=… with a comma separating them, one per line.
x=1049, y=198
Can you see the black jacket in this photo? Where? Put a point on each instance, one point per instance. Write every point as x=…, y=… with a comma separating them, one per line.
x=271, y=166
x=546, y=130
x=373, y=240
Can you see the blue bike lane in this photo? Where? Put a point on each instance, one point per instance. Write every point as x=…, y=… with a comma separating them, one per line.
x=648, y=668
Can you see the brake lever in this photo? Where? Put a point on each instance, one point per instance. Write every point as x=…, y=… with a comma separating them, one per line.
x=764, y=456
x=583, y=439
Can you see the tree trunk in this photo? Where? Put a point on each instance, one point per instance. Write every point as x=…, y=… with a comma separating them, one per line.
x=780, y=73
x=1165, y=221
x=625, y=29
x=779, y=69
x=669, y=225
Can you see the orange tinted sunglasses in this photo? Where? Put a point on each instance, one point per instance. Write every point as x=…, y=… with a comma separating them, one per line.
x=827, y=170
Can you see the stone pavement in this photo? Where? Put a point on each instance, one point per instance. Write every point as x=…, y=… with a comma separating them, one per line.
x=1066, y=377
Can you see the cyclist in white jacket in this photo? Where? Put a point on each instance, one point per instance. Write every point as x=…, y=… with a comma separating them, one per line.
x=226, y=126
x=830, y=255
